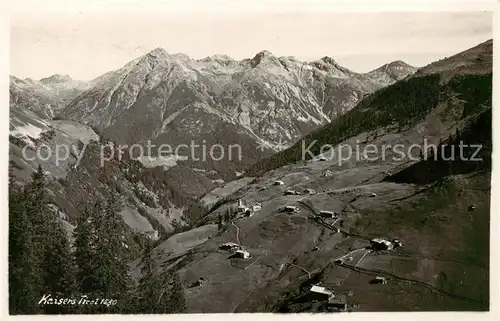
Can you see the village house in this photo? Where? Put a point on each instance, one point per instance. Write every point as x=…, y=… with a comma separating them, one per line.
x=242, y=208
x=327, y=214
x=290, y=208
x=318, y=293
x=397, y=243
x=256, y=207
x=230, y=246
x=379, y=280
x=339, y=261
x=199, y=282
x=337, y=303
x=310, y=191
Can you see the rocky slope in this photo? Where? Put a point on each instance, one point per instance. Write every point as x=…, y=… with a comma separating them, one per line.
x=426, y=204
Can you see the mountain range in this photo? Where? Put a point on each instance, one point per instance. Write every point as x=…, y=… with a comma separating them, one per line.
x=265, y=101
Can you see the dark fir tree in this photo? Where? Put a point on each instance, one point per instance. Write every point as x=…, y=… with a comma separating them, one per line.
x=84, y=252
x=110, y=259
x=219, y=222
x=59, y=268
x=174, y=301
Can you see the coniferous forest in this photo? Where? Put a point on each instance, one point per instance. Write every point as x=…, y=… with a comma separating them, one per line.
x=49, y=274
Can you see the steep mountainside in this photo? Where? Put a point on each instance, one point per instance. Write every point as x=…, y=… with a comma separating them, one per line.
x=46, y=97
x=268, y=100
x=437, y=211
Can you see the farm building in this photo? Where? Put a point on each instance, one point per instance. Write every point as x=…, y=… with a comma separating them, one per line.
x=256, y=207
x=310, y=191
x=242, y=254
x=337, y=303
x=381, y=244
x=241, y=207
x=290, y=208
x=327, y=214
x=379, y=280
x=199, y=282
x=279, y=183
x=230, y=246
x=397, y=243
x=318, y=293
x=339, y=261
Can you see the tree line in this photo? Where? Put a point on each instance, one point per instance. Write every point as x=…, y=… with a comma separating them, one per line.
x=49, y=274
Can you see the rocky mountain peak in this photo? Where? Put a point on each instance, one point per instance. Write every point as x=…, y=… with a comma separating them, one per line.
x=28, y=80
x=329, y=64
x=158, y=52
x=395, y=65
x=398, y=63
x=217, y=57
x=328, y=60
x=392, y=71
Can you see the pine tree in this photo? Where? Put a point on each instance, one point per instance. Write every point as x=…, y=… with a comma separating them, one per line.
x=110, y=260
x=219, y=222
x=36, y=217
x=59, y=268
x=39, y=254
x=84, y=252
x=175, y=300
x=158, y=293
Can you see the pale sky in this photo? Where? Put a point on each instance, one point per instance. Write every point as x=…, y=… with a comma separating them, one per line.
x=86, y=45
